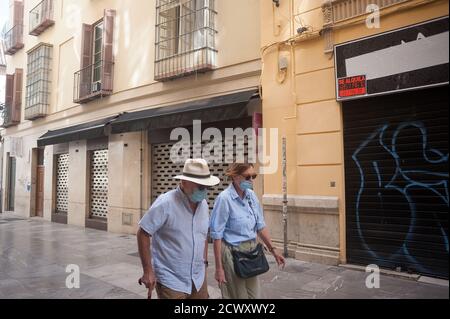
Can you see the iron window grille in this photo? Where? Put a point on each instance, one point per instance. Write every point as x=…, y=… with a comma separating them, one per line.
x=185, y=38
x=38, y=82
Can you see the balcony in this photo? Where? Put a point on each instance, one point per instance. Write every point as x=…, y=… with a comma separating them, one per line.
x=41, y=17
x=185, y=38
x=9, y=116
x=93, y=82
x=13, y=39
x=2, y=115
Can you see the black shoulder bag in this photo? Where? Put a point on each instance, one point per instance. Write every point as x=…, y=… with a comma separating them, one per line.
x=250, y=263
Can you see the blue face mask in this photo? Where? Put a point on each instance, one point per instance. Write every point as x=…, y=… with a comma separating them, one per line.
x=244, y=185
x=198, y=195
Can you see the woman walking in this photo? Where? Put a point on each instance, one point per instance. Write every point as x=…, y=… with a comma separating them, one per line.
x=236, y=221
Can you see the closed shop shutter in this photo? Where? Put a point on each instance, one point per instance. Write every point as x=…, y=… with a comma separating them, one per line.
x=99, y=183
x=396, y=176
x=62, y=186
x=163, y=170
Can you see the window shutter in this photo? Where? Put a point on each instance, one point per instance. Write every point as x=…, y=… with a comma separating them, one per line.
x=9, y=92
x=47, y=10
x=107, y=50
x=17, y=98
x=18, y=13
x=85, y=80
x=18, y=22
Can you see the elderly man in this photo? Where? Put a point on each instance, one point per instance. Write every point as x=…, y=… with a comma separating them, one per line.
x=176, y=228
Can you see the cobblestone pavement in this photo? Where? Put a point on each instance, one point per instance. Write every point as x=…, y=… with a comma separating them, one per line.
x=34, y=255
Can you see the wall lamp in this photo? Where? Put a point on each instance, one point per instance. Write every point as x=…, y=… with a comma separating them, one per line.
x=277, y=2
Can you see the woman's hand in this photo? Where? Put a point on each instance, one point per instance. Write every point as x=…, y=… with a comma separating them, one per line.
x=279, y=259
x=220, y=276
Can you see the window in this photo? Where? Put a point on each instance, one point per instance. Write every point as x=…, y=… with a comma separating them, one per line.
x=185, y=37
x=38, y=82
x=95, y=78
x=97, y=51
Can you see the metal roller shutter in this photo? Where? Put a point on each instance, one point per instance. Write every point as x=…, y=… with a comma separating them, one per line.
x=99, y=183
x=163, y=170
x=396, y=175
x=62, y=186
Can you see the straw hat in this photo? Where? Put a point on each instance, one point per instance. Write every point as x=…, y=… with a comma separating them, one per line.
x=197, y=171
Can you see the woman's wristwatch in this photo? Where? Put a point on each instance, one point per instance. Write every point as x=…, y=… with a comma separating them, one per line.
x=206, y=263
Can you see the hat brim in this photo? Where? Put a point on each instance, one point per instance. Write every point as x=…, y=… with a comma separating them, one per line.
x=209, y=181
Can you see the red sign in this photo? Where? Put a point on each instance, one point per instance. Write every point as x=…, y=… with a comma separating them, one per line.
x=352, y=86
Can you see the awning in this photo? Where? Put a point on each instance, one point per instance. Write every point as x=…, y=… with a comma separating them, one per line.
x=221, y=108
x=83, y=131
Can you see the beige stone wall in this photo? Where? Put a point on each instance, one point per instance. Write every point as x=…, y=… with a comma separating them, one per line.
x=312, y=226
x=78, y=183
x=124, y=182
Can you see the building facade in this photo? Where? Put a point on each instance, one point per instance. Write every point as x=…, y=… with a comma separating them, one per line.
x=95, y=89
x=359, y=89
x=76, y=67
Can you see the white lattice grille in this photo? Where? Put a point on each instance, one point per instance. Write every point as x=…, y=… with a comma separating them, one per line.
x=163, y=170
x=99, y=183
x=62, y=185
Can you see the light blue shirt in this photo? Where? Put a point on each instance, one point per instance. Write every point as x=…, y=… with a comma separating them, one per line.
x=234, y=219
x=178, y=240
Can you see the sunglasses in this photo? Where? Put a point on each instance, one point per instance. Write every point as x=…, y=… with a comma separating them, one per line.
x=249, y=177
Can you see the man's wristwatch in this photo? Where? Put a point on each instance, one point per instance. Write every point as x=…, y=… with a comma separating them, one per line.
x=206, y=263
x=271, y=249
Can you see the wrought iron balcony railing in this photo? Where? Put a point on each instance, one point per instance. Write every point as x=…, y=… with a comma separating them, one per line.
x=41, y=17
x=93, y=81
x=9, y=117
x=13, y=39
x=2, y=114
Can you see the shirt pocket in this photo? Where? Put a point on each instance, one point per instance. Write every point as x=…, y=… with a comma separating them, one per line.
x=239, y=225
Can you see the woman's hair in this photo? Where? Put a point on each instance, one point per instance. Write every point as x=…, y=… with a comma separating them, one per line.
x=237, y=169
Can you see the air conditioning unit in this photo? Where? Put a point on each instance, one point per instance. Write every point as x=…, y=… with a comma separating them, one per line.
x=96, y=87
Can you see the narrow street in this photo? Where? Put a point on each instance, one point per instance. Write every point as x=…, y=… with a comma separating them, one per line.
x=34, y=255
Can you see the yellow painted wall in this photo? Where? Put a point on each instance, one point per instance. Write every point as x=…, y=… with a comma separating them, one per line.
x=304, y=105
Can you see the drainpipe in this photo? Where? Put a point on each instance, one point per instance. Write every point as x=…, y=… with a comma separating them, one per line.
x=285, y=201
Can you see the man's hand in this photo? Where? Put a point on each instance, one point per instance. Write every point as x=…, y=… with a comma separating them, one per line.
x=220, y=276
x=149, y=281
